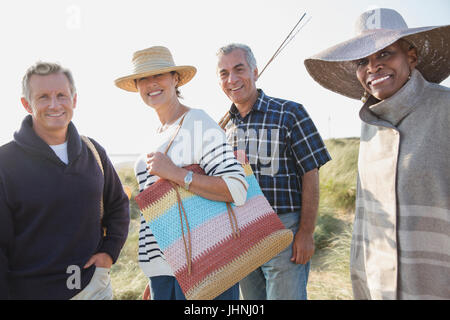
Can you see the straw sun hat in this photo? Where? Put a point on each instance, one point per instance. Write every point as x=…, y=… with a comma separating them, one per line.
x=335, y=70
x=152, y=61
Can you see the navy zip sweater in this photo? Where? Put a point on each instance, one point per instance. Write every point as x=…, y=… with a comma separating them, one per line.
x=50, y=215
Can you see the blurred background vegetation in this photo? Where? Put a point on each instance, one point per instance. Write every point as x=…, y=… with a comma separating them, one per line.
x=329, y=276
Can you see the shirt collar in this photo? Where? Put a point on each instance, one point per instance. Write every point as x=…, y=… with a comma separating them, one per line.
x=259, y=105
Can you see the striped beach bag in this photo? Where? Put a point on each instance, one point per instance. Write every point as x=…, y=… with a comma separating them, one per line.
x=212, y=245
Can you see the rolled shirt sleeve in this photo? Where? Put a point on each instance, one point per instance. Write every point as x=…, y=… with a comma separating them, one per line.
x=238, y=189
x=306, y=143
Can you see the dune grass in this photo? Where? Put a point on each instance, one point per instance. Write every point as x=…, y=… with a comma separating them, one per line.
x=329, y=276
x=338, y=177
x=127, y=279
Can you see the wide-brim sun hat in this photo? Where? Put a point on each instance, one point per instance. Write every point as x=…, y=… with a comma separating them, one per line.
x=335, y=69
x=152, y=61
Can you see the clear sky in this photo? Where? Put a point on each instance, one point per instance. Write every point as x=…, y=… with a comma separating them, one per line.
x=96, y=40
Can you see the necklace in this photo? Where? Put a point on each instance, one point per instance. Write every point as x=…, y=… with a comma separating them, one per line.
x=177, y=117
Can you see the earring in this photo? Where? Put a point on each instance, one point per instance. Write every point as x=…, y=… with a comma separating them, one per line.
x=365, y=97
x=410, y=72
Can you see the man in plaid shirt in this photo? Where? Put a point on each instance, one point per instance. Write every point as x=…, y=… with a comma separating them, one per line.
x=285, y=152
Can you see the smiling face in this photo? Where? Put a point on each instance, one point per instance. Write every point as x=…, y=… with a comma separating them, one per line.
x=158, y=90
x=383, y=73
x=237, y=79
x=50, y=104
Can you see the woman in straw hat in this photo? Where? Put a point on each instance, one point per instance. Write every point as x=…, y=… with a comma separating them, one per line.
x=401, y=239
x=199, y=140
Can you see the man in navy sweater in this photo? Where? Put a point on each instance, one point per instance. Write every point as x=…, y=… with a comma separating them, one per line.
x=51, y=241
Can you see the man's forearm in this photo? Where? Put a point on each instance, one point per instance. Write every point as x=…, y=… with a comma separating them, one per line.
x=310, y=201
x=303, y=246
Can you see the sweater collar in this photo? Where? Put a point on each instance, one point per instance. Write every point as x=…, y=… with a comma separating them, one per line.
x=394, y=109
x=28, y=140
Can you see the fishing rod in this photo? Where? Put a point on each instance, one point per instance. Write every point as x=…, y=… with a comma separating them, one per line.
x=223, y=122
x=286, y=41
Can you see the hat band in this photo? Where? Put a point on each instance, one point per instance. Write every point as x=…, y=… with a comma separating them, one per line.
x=150, y=66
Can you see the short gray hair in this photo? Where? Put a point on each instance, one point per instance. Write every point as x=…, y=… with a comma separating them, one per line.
x=43, y=69
x=251, y=61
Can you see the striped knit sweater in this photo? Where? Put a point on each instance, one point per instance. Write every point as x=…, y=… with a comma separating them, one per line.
x=199, y=141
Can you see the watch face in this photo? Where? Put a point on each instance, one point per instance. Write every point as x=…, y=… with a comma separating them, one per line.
x=188, y=177
x=188, y=180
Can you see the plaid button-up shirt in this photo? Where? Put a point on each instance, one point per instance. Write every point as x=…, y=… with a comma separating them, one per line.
x=282, y=144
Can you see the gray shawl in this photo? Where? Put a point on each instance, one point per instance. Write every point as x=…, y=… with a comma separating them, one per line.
x=401, y=235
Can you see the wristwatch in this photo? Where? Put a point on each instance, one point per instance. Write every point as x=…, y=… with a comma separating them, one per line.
x=188, y=180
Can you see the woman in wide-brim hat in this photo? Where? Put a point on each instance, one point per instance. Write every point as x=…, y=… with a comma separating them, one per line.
x=400, y=245
x=186, y=136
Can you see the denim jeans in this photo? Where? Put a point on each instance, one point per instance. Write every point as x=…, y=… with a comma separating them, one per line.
x=279, y=278
x=167, y=288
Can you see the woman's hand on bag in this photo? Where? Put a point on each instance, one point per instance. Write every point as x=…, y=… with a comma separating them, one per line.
x=160, y=165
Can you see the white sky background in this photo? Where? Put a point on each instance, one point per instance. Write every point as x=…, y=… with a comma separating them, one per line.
x=96, y=40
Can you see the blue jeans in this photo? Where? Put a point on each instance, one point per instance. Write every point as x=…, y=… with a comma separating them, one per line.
x=279, y=278
x=167, y=288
